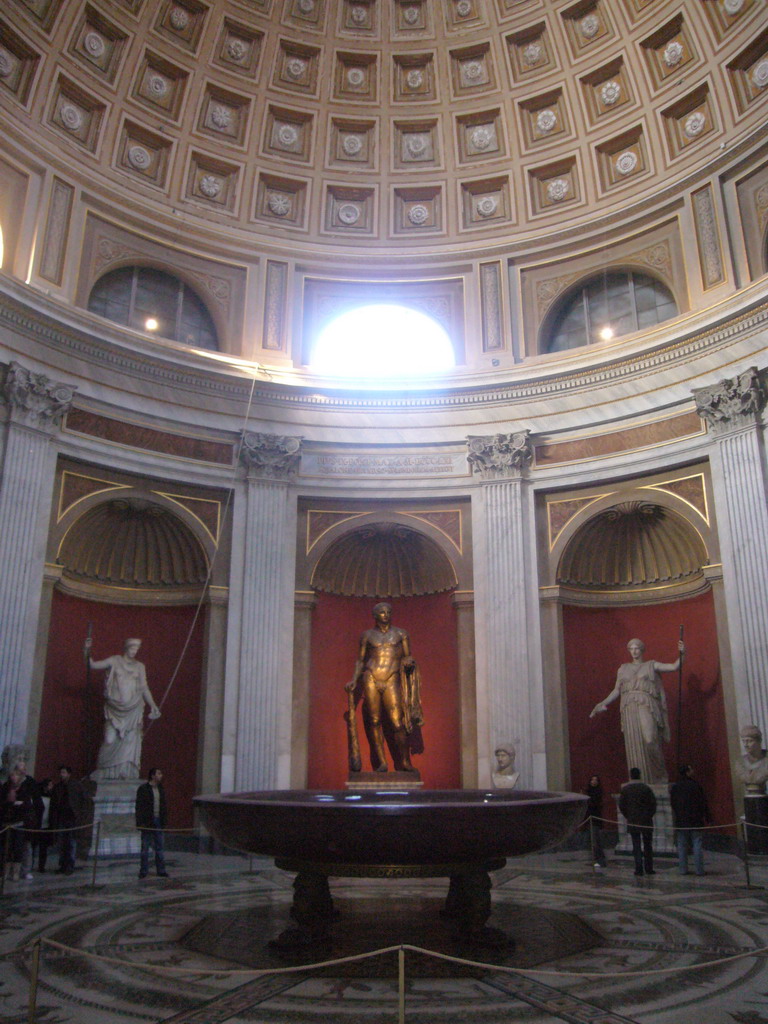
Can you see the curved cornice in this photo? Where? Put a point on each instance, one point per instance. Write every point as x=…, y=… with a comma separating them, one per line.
x=62, y=331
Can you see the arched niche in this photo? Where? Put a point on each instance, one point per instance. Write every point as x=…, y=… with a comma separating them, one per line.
x=637, y=558
x=349, y=558
x=130, y=557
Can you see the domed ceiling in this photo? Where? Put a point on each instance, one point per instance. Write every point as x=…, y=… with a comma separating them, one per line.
x=363, y=123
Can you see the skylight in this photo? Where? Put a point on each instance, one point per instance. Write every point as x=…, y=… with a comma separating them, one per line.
x=383, y=342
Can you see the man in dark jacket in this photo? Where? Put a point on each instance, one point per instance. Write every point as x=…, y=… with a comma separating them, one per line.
x=67, y=814
x=638, y=805
x=151, y=816
x=691, y=814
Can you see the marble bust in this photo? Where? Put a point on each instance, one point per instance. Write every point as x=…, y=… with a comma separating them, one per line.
x=752, y=768
x=505, y=776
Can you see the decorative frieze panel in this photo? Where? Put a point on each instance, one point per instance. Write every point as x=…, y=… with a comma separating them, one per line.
x=143, y=154
x=213, y=182
x=415, y=144
x=530, y=52
x=748, y=73
x=544, y=118
x=414, y=78
x=708, y=238
x=288, y=134
x=98, y=45
x=296, y=68
x=18, y=62
x=472, y=70
x=350, y=210
x=669, y=50
x=352, y=142
x=281, y=201
x=587, y=25
x=486, y=201
x=76, y=114
x=159, y=85
x=491, y=301
x=607, y=91
x=275, y=297
x=418, y=210
x=622, y=159
x=224, y=115
x=689, y=120
x=181, y=22
x=57, y=231
x=355, y=77
x=239, y=49
x=480, y=136
x=554, y=186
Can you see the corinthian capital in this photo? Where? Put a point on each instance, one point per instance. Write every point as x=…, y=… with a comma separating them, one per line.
x=500, y=455
x=35, y=400
x=731, y=403
x=270, y=455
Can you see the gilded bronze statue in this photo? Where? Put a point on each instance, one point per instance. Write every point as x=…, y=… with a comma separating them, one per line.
x=389, y=680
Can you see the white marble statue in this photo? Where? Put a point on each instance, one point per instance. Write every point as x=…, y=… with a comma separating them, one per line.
x=125, y=694
x=643, y=707
x=505, y=776
x=752, y=768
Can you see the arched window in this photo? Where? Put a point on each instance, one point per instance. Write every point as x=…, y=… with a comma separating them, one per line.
x=155, y=302
x=383, y=342
x=608, y=305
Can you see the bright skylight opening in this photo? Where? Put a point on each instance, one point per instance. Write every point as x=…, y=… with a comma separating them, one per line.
x=383, y=342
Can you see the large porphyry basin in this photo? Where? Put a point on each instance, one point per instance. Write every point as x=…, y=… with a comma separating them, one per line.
x=390, y=826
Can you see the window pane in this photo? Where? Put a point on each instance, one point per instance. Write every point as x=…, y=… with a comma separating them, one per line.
x=157, y=295
x=111, y=296
x=196, y=327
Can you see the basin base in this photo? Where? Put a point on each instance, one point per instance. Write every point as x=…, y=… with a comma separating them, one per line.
x=467, y=905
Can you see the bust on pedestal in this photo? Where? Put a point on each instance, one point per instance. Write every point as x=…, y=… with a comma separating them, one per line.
x=752, y=769
x=505, y=776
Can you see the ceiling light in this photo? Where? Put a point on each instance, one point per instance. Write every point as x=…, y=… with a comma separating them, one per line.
x=606, y=333
x=150, y=324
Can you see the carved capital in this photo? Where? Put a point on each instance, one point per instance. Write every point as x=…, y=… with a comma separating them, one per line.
x=270, y=455
x=34, y=399
x=732, y=403
x=501, y=455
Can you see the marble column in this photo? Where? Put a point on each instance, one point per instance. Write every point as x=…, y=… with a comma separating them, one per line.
x=508, y=660
x=265, y=640
x=733, y=411
x=464, y=603
x=35, y=408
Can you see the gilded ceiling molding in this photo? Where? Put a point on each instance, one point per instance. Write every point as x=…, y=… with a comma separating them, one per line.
x=500, y=455
x=275, y=456
x=733, y=402
x=36, y=400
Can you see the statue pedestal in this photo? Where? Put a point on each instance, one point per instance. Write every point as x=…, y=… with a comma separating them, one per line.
x=384, y=780
x=756, y=813
x=115, y=808
x=663, y=827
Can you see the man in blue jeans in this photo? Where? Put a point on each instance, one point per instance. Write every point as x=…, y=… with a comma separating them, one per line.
x=691, y=814
x=150, y=818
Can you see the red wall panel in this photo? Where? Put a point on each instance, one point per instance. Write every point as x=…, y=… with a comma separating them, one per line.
x=71, y=722
x=595, y=646
x=337, y=623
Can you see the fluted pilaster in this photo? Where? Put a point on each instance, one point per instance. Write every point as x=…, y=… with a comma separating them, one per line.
x=266, y=624
x=36, y=405
x=507, y=609
x=733, y=410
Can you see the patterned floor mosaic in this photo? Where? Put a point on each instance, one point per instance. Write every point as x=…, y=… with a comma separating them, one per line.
x=217, y=914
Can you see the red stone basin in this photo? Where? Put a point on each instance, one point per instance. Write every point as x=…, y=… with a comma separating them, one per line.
x=424, y=827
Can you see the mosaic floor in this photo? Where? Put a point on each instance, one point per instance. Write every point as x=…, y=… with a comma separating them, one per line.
x=218, y=913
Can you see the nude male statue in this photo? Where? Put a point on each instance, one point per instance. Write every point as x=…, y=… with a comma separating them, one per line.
x=390, y=684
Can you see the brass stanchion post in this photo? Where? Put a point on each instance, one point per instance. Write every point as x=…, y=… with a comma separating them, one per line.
x=33, y=973
x=746, y=852
x=96, y=853
x=401, y=986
